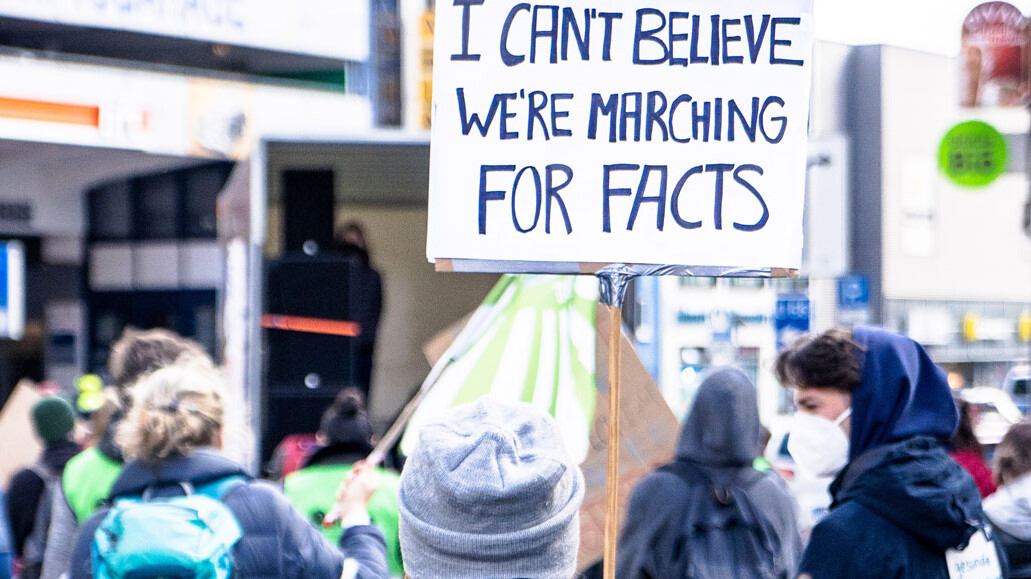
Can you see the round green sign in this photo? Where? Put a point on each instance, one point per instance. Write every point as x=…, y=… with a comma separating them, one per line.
x=972, y=154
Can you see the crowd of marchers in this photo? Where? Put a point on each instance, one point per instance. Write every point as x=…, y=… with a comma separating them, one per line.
x=490, y=492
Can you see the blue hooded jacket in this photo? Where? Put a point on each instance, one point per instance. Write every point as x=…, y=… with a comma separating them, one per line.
x=901, y=501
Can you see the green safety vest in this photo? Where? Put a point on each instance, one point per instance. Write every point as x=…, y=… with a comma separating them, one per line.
x=88, y=478
x=312, y=491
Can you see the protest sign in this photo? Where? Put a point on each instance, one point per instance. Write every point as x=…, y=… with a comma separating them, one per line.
x=647, y=439
x=569, y=136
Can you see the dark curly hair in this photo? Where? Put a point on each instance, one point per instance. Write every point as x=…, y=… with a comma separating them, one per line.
x=1013, y=455
x=828, y=360
x=140, y=352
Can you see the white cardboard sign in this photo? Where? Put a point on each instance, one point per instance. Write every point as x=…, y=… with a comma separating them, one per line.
x=978, y=561
x=600, y=131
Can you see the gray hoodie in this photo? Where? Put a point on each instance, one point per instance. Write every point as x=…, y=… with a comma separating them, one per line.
x=721, y=435
x=1009, y=510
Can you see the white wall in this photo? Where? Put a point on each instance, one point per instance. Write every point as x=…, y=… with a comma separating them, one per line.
x=940, y=241
x=53, y=178
x=830, y=79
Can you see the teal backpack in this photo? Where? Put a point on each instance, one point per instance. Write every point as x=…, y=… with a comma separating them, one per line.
x=185, y=536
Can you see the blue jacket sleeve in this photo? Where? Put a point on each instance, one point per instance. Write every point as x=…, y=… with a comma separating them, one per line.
x=366, y=546
x=308, y=555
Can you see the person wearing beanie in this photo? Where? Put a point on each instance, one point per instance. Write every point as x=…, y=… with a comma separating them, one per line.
x=490, y=493
x=53, y=420
x=345, y=437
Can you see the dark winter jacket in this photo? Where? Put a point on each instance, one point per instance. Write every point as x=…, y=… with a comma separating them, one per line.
x=277, y=542
x=26, y=488
x=901, y=501
x=720, y=436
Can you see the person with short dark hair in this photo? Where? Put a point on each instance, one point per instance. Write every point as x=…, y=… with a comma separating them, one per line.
x=874, y=410
x=140, y=352
x=31, y=492
x=1009, y=509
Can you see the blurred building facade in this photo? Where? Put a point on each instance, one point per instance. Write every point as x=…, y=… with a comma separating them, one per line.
x=889, y=240
x=119, y=124
x=121, y=121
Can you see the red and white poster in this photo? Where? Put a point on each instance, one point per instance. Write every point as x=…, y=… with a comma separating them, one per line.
x=994, y=57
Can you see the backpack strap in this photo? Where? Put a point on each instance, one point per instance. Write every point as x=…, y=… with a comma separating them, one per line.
x=693, y=474
x=35, y=544
x=218, y=489
x=42, y=471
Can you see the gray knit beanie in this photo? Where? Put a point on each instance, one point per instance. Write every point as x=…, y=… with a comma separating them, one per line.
x=490, y=493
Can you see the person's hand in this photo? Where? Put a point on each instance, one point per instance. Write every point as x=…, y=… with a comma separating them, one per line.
x=354, y=492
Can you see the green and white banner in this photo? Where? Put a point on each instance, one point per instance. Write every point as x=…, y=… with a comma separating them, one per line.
x=531, y=340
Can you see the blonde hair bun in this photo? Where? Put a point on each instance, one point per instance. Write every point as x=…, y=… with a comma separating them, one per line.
x=175, y=410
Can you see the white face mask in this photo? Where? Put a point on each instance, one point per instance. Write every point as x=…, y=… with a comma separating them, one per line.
x=819, y=446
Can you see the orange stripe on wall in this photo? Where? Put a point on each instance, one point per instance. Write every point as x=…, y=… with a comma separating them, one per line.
x=311, y=325
x=50, y=112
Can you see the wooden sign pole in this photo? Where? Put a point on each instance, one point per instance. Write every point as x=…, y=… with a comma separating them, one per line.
x=614, y=281
x=612, y=467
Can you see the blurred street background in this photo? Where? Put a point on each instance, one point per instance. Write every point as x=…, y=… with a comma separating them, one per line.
x=191, y=165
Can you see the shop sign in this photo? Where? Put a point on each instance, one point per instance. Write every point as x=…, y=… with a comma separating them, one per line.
x=15, y=212
x=972, y=154
x=994, y=57
x=1024, y=326
x=569, y=138
x=426, y=69
x=978, y=329
x=328, y=28
x=791, y=318
x=931, y=325
x=853, y=300
x=12, y=289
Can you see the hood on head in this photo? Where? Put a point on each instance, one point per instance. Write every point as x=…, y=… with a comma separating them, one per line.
x=722, y=428
x=903, y=393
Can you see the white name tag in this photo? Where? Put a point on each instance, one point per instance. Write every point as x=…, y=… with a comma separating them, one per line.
x=978, y=561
